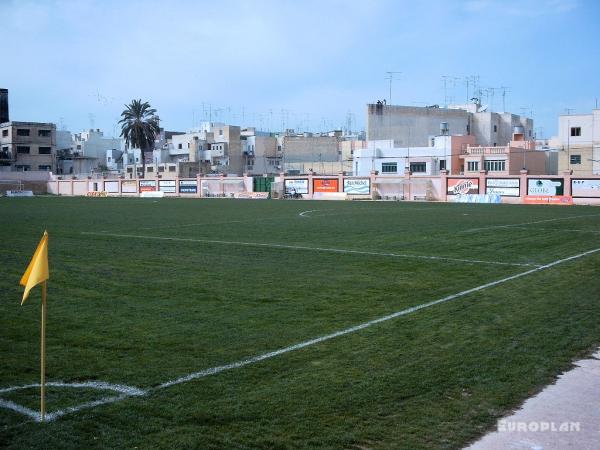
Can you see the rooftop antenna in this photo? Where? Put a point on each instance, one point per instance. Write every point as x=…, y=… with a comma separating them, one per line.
x=569, y=111
x=471, y=80
x=504, y=90
x=391, y=77
x=92, y=120
x=447, y=79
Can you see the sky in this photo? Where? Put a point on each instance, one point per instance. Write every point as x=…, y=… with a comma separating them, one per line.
x=304, y=64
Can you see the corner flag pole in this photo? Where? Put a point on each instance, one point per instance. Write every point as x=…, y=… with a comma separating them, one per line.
x=37, y=273
x=43, y=355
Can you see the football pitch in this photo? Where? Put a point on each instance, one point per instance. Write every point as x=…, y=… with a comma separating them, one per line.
x=185, y=323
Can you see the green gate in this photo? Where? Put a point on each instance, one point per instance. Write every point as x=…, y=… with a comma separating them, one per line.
x=262, y=184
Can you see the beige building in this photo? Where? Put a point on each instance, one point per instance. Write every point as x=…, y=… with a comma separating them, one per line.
x=578, y=143
x=260, y=152
x=28, y=146
x=504, y=160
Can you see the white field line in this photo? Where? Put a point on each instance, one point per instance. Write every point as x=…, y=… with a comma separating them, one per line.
x=303, y=213
x=123, y=390
x=528, y=223
x=404, y=312
x=313, y=249
x=558, y=230
x=255, y=359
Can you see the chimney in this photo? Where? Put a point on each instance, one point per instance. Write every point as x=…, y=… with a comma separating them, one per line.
x=4, y=106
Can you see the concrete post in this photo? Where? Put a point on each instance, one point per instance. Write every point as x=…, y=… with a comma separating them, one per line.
x=482, y=177
x=567, y=174
x=340, y=181
x=523, y=191
x=444, y=185
x=407, y=175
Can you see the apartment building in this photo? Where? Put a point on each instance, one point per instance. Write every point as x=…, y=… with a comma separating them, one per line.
x=28, y=146
x=578, y=143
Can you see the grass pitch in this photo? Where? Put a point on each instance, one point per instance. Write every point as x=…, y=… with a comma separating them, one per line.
x=146, y=291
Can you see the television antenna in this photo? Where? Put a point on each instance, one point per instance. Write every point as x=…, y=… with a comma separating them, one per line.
x=391, y=76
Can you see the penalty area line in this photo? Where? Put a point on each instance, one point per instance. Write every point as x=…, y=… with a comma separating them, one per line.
x=314, y=249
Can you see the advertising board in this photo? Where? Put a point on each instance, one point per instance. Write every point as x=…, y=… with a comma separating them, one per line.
x=585, y=188
x=298, y=185
x=111, y=186
x=128, y=186
x=147, y=185
x=167, y=186
x=545, y=186
x=325, y=185
x=459, y=186
x=188, y=186
x=357, y=186
x=506, y=187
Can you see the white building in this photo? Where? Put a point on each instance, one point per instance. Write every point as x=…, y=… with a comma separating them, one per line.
x=384, y=157
x=89, y=150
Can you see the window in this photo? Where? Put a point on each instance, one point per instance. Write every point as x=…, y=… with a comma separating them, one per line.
x=22, y=149
x=22, y=132
x=575, y=131
x=495, y=165
x=418, y=167
x=79, y=147
x=473, y=166
x=161, y=168
x=149, y=169
x=4, y=133
x=575, y=159
x=22, y=167
x=45, y=168
x=171, y=168
x=45, y=150
x=495, y=128
x=220, y=132
x=109, y=159
x=180, y=146
x=442, y=164
x=44, y=133
x=390, y=167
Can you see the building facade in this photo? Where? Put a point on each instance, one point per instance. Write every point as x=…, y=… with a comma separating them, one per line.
x=412, y=126
x=578, y=143
x=28, y=146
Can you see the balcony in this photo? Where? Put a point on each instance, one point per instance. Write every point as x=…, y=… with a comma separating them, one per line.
x=476, y=151
x=7, y=156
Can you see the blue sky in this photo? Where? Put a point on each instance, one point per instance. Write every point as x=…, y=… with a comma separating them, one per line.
x=302, y=64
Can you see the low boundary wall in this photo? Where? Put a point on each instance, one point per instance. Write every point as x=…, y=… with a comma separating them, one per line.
x=523, y=188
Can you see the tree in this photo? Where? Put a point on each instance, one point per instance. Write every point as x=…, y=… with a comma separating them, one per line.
x=139, y=127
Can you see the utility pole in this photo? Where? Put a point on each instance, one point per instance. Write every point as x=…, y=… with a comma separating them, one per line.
x=391, y=78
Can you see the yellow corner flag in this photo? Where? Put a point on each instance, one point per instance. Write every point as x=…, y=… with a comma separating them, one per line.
x=37, y=271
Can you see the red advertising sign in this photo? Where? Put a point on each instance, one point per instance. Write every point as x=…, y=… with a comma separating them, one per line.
x=147, y=185
x=325, y=185
x=548, y=199
x=459, y=186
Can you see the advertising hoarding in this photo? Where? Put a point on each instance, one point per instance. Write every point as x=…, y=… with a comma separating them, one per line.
x=300, y=185
x=325, y=185
x=586, y=188
x=545, y=186
x=147, y=185
x=188, y=186
x=459, y=186
x=360, y=186
x=506, y=187
x=111, y=186
x=129, y=186
x=167, y=186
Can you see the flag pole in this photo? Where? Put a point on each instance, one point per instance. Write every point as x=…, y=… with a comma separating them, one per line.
x=43, y=355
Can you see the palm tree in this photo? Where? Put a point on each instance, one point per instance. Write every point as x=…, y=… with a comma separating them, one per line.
x=139, y=127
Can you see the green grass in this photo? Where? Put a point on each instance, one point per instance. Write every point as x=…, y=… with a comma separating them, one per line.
x=141, y=311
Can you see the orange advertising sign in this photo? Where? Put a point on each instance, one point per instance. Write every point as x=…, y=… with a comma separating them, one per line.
x=548, y=200
x=325, y=185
